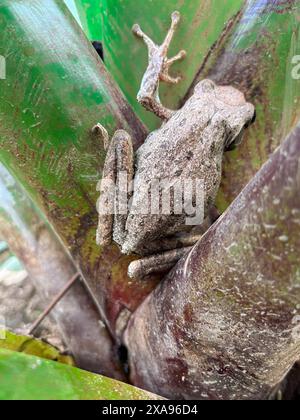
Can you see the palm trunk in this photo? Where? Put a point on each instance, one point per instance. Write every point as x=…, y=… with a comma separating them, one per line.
x=56, y=89
x=224, y=324
x=50, y=268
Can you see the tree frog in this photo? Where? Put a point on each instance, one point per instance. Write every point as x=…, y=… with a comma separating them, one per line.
x=189, y=145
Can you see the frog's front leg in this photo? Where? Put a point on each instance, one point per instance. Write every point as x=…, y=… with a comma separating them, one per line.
x=158, y=69
x=115, y=189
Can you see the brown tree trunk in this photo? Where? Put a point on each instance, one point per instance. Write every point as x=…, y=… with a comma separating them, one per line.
x=225, y=323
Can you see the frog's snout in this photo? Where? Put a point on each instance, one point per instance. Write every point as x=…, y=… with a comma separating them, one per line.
x=252, y=121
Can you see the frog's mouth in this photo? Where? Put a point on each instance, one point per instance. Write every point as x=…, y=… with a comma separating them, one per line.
x=233, y=144
x=252, y=121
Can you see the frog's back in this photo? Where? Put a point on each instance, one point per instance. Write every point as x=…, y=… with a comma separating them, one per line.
x=177, y=151
x=167, y=150
x=189, y=146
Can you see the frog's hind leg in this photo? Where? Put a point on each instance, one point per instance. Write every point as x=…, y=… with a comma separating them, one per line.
x=158, y=263
x=165, y=253
x=115, y=187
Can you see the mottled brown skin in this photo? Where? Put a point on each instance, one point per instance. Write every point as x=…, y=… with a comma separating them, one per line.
x=189, y=145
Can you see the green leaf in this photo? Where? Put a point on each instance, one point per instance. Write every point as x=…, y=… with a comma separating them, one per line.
x=56, y=89
x=34, y=347
x=24, y=377
x=202, y=24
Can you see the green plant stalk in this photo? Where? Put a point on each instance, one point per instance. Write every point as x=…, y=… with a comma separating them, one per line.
x=50, y=267
x=48, y=380
x=126, y=57
x=56, y=89
x=250, y=44
x=90, y=13
x=256, y=56
x=33, y=347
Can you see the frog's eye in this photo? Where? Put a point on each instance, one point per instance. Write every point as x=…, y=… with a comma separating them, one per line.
x=205, y=86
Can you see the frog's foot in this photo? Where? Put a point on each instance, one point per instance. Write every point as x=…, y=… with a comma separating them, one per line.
x=167, y=64
x=158, y=263
x=163, y=254
x=163, y=49
x=158, y=69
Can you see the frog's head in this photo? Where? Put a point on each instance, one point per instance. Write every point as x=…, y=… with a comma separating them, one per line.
x=231, y=103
